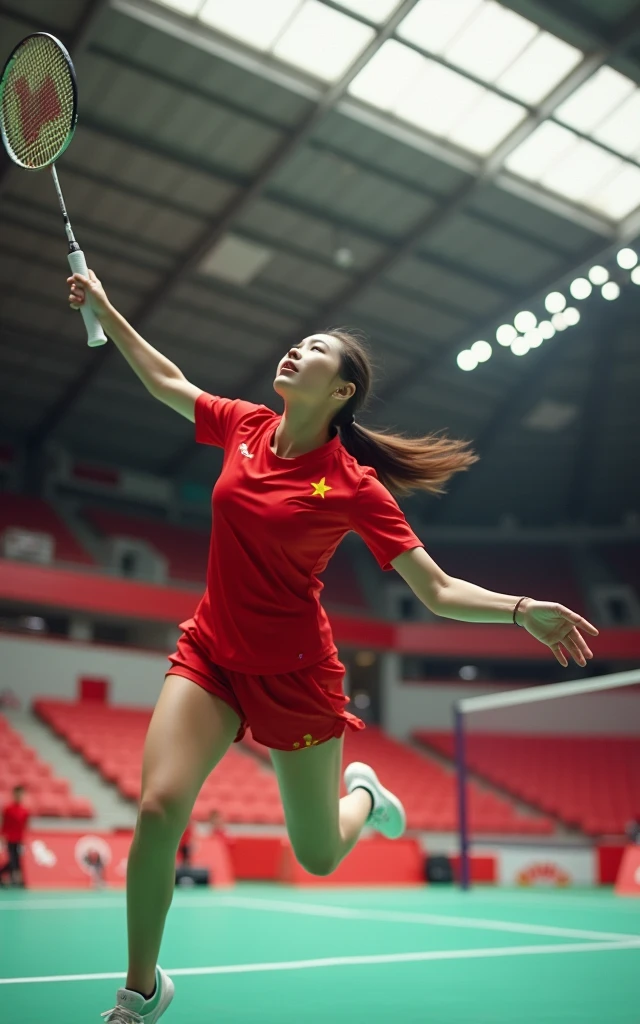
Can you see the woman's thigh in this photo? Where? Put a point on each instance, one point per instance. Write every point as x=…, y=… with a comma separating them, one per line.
x=189, y=733
x=309, y=781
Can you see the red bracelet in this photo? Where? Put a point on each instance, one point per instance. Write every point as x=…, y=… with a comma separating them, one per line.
x=515, y=610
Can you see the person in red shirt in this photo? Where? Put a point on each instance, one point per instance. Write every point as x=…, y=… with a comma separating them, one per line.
x=259, y=647
x=14, y=825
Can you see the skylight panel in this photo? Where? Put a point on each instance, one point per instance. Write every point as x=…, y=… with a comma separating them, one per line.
x=432, y=24
x=621, y=131
x=487, y=123
x=621, y=194
x=188, y=7
x=581, y=171
x=540, y=151
x=594, y=100
x=387, y=75
x=252, y=21
x=374, y=10
x=321, y=40
x=490, y=41
x=437, y=99
x=544, y=63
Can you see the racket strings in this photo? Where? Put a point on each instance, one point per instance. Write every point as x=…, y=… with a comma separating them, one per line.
x=37, y=103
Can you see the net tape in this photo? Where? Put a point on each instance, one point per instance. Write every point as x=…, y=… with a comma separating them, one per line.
x=38, y=102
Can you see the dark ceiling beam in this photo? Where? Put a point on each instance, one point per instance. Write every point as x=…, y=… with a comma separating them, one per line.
x=589, y=428
x=76, y=42
x=217, y=229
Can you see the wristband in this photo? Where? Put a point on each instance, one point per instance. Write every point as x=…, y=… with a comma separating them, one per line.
x=515, y=610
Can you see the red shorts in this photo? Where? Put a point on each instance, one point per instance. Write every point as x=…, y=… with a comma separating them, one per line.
x=286, y=711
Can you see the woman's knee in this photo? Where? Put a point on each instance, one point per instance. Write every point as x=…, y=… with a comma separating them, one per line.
x=163, y=807
x=318, y=861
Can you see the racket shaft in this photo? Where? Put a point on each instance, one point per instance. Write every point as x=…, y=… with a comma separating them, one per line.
x=95, y=334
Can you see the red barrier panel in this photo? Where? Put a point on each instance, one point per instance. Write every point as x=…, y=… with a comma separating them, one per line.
x=628, y=881
x=483, y=868
x=372, y=862
x=57, y=860
x=609, y=861
x=256, y=858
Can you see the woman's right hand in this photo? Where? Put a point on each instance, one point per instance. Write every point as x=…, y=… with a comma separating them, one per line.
x=83, y=289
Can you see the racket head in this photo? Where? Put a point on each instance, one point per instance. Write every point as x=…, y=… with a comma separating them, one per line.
x=38, y=101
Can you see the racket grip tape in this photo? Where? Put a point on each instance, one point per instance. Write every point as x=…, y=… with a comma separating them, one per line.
x=95, y=334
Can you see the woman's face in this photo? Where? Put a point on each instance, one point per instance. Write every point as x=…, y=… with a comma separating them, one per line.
x=310, y=371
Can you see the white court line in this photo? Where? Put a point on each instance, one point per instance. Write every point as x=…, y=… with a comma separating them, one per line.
x=353, y=914
x=348, y=961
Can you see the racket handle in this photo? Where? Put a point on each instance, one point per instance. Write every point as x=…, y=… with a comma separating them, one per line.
x=95, y=334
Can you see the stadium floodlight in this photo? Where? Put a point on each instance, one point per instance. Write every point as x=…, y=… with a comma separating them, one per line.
x=520, y=347
x=610, y=290
x=506, y=334
x=598, y=275
x=466, y=360
x=559, y=322
x=580, y=288
x=555, y=302
x=547, y=330
x=635, y=275
x=525, y=321
x=482, y=351
x=571, y=316
x=627, y=259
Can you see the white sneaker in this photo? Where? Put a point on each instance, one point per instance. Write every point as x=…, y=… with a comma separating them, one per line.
x=387, y=814
x=132, y=1008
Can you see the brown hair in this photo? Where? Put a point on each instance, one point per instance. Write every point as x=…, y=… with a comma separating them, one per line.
x=403, y=464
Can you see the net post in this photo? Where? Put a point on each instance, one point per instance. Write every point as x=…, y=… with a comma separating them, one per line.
x=461, y=763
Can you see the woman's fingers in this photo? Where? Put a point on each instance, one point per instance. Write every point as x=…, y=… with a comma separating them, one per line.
x=579, y=621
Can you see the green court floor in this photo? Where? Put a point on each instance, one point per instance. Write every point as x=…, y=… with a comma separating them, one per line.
x=269, y=954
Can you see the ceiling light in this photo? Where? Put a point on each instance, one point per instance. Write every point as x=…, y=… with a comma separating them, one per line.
x=558, y=321
x=555, y=302
x=525, y=321
x=627, y=259
x=635, y=275
x=598, y=275
x=505, y=334
x=466, y=360
x=571, y=316
x=547, y=330
x=534, y=337
x=580, y=288
x=520, y=347
x=610, y=291
x=481, y=350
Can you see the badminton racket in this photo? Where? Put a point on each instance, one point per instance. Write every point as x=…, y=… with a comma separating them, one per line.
x=38, y=115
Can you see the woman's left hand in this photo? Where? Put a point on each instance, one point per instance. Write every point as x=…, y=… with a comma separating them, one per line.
x=553, y=625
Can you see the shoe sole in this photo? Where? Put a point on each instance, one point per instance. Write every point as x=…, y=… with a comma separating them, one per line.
x=166, y=995
x=397, y=822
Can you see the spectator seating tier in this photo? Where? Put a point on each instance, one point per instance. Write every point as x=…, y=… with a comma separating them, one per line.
x=36, y=515
x=45, y=795
x=588, y=782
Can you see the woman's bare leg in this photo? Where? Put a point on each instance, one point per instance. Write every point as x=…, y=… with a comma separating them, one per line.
x=322, y=827
x=190, y=731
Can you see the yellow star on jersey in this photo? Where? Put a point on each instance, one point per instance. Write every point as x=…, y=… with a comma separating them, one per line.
x=321, y=489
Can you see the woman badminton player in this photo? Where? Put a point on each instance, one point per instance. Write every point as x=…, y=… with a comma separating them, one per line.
x=258, y=650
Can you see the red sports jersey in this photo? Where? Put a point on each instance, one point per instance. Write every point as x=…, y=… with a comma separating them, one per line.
x=276, y=523
x=14, y=822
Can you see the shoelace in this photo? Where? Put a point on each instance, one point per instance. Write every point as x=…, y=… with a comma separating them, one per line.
x=120, y=1015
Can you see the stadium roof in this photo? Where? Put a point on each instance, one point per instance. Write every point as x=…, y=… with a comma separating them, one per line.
x=243, y=174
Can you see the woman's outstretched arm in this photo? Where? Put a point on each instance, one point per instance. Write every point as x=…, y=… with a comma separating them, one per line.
x=549, y=622
x=160, y=376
